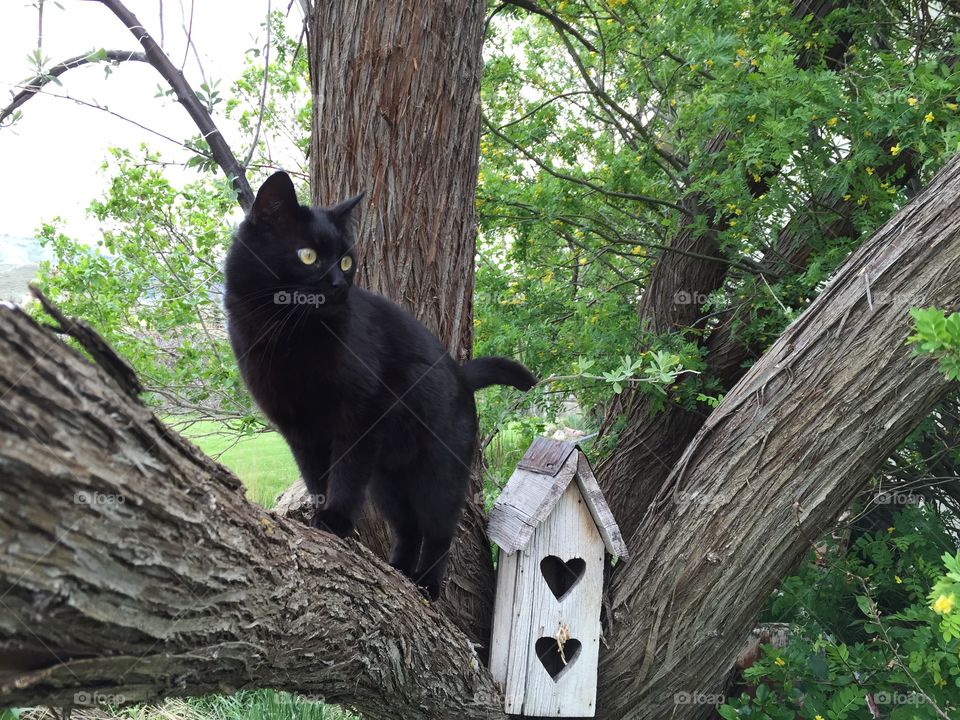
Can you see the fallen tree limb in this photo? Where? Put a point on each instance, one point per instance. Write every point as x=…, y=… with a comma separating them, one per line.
x=134, y=569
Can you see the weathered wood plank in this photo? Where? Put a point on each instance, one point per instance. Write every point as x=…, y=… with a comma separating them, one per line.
x=546, y=456
x=503, y=616
x=526, y=500
x=569, y=532
x=606, y=524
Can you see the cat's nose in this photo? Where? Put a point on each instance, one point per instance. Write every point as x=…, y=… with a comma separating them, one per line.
x=338, y=281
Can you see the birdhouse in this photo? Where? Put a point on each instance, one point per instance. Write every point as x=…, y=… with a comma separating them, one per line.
x=554, y=530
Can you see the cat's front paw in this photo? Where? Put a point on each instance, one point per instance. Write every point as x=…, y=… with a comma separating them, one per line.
x=332, y=522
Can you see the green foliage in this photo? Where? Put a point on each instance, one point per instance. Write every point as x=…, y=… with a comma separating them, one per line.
x=150, y=285
x=938, y=334
x=863, y=626
x=279, y=126
x=594, y=142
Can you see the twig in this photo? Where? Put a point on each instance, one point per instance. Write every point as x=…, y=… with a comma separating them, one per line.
x=34, y=85
x=115, y=366
x=186, y=96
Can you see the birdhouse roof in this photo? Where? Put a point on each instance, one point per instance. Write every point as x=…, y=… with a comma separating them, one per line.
x=533, y=490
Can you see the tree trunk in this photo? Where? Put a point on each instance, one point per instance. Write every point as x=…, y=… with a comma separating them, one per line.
x=775, y=463
x=134, y=569
x=396, y=113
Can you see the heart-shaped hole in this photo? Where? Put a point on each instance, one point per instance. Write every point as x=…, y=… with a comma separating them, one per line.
x=556, y=659
x=561, y=576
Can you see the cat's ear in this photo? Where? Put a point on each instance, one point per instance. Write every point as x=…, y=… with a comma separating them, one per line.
x=276, y=198
x=341, y=213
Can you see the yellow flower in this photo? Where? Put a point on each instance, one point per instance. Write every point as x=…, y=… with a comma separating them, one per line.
x=867, y=134
x=693, y=68
x=756, y=177
x=709, y=62
x=869, y=170
x=944, y=604
x=847, y=196
x=911, y=101
x=752, y=118
x=737, y=64
x=831, y=122
x=818, y=717
x=631, y=28
x=861, y=200
x=779, y=662
x=637, y=250
x=583, y=261
x=929, y=118
x=890, y=529
x=741, y=52
x=895, y=150
x=952, y=106
x=898, y=580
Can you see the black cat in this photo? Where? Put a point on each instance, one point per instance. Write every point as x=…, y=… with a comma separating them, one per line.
x=362, y=392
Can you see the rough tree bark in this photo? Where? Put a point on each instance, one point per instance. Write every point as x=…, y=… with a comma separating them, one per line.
x=396, y=103
x=785, y=451
x=396, y=113
x=134, y=569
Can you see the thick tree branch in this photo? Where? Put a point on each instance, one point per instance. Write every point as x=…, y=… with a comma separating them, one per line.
x=134, y=568
x=775, y=463
x=219, y=148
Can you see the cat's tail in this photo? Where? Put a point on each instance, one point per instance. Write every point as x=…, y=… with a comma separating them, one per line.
x=485, y=371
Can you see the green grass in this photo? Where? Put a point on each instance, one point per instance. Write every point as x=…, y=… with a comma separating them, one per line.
x=262, y=461
x=243, y=705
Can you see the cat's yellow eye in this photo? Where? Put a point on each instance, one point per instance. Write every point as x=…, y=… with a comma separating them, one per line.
x=307, y=256
x=346, y=262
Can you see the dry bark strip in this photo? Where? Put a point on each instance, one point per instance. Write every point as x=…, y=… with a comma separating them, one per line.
x=133, y=568
x=786, y=450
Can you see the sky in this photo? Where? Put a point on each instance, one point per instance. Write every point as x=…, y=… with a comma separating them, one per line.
x=50, y=160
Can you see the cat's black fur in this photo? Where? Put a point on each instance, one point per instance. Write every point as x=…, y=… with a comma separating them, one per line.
x=363, y=393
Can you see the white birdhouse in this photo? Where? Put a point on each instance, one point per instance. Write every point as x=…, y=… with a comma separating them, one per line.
x=553, y=528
